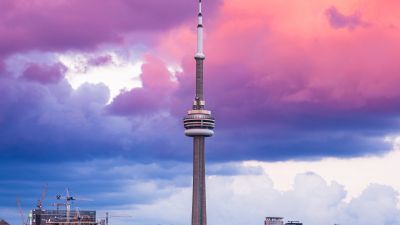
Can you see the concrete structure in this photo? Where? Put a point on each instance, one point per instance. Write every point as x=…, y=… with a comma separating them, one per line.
x=273, y=221
x=199, y=124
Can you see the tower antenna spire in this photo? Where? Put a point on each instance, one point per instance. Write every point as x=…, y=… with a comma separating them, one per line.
x=200, y=53
x=199, y=56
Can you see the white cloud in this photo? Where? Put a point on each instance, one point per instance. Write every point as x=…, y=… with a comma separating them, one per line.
x=358, y=191
x=355, y=173
x=121, y=73
x=247, y=199
x=237, y=194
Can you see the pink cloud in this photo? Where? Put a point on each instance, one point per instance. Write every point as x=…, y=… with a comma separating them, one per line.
x=267, y=55
x=153, y=96
x=274, y=63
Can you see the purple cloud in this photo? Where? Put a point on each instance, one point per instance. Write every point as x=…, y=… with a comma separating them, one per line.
x=44, y=74
x=339, y=20
x=62, y=25
x=2, y=66
x=100, y=60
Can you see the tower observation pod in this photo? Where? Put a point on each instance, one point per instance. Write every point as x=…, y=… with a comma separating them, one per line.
x=199, y=124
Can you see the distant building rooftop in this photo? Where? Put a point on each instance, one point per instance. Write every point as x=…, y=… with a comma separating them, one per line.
x=272, y=218
x=293, y=223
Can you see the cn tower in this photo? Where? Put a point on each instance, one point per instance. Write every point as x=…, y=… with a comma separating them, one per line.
x=199, y=124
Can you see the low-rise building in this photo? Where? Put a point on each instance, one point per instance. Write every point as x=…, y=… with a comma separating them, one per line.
x=293, y=223
x=273, y=221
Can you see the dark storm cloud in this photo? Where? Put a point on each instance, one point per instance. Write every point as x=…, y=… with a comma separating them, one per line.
x=116, y=181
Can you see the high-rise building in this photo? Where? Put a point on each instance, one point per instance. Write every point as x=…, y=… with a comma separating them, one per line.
x=199, y=124
x=273, y=221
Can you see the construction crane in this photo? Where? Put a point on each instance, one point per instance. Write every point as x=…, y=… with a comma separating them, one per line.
x=78, y=215
x=111, y=216
x=68, y=200
x=67, y=203
x=21, y=212
x=40, y=201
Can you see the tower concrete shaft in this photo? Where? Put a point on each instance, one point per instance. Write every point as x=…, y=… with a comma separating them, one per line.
x=199, y=210
x=199, y=124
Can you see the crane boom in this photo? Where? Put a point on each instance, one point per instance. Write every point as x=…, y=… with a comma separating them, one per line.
x=20, y=211
x=40, y=201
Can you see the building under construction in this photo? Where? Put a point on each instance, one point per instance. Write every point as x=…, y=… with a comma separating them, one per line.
x=63, y=214
x=63, y=217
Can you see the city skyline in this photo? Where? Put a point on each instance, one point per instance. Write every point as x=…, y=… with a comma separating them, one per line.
x=305, y=94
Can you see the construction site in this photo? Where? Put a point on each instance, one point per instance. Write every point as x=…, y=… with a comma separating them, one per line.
x=61, y=212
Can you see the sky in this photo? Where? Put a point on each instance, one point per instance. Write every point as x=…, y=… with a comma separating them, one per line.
x=304, y=92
